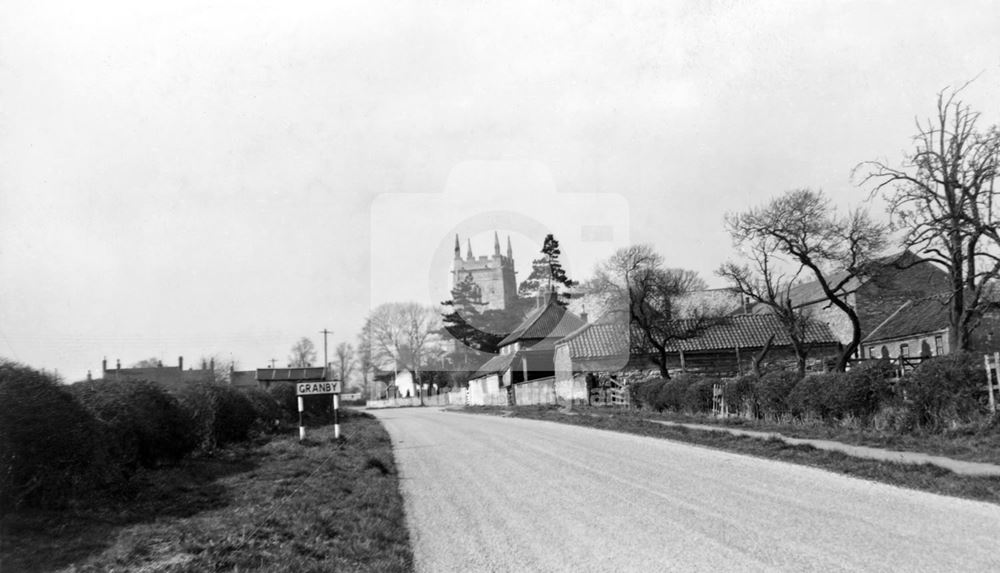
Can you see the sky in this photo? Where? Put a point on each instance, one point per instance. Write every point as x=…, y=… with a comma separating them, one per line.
x=191, y=178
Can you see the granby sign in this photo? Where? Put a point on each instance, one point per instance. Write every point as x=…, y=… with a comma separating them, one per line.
x=308, y=380
x=321, y=387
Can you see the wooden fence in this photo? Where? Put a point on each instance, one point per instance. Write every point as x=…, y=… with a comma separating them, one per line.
x=992, y=363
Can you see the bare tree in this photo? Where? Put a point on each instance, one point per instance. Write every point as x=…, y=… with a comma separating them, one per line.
x=148, y=363
x=365, y=364
x=403, y=333
x=764, y=282
x=303, y=353
x=344, y=361
x=941, y=197
x=633, y=286
x=802, y=225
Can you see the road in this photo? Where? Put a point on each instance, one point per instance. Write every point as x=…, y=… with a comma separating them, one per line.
x=485, y=493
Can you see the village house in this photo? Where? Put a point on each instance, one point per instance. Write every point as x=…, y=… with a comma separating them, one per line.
x=525, y=363
x=606, y=352
x=920, y=329
x=168, y=376
x=891, y=282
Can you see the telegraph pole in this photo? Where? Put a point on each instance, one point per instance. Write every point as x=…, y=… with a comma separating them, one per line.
x=273, y=360
x=327, y=375
x=326, y=361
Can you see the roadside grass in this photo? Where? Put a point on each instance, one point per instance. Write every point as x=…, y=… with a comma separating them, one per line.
x=923, y=477
x=272, y=505
x=973, y=443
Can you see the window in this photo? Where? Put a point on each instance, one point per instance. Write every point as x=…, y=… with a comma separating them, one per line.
x=904, y=350
x=938, y=346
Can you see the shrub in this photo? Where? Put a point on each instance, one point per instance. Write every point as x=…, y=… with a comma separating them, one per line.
x=772, y=392
x=221, y=414
x=671, y=394
x=697, y=396
x=284, y=396
x=866, y=389
x=265, y=407
x=147, y=425
x=51, y=448
x=644, y=393
x=817, y=395
x=741, y=396
x=946, y=390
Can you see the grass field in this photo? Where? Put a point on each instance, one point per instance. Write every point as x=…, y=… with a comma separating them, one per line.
x=921, y=477
x=275, y=505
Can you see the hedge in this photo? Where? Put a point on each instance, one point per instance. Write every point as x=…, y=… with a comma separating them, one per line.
x=221, y=414
x=816, y=395
x=698, y=395
x=947, y=391
x=51, y=448
x=741, y=396
x=772, y=392
x=146, y=425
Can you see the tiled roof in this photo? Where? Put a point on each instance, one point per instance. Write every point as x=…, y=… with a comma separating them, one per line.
x=811, y=292
x=549, y=321
x=610, y=339
x=914, y=317
x=498, y=363
x=309, y=373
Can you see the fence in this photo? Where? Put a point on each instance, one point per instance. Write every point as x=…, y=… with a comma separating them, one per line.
x=457, y=397
x=610, y=396
x=901, y=364
x=992, y=364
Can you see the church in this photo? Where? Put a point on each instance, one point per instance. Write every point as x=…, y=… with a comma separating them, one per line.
x=493, y=276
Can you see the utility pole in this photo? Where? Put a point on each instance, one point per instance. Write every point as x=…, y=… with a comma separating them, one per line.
x=273, y=360
x=326, y=361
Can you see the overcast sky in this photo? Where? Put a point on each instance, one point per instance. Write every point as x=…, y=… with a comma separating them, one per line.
x=186, y=179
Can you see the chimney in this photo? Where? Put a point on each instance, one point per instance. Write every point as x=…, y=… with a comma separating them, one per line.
x=89, y=377
x=583, y=316
x=118, y=364
x=180, y=363
x=104, y=365
x=211, y=364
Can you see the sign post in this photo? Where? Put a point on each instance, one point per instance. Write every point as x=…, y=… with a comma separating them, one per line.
x=318, y=387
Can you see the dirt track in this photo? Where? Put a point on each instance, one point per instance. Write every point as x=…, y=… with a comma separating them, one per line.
x=485, y=493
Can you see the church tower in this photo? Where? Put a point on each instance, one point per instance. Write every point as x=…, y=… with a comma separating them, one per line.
x=494, y=275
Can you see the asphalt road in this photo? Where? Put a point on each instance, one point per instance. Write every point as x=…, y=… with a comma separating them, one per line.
x=485, y=493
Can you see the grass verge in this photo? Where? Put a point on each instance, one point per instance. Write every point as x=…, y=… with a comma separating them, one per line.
x=273, y=505
x=921, y=477
x=973, y=443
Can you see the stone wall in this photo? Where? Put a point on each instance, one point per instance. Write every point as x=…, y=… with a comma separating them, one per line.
x=541, y=391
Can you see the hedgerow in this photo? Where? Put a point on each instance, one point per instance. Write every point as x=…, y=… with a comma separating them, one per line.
x=772, y=392
x=946, y=391
x=741, y=396
x=147, y=426
x=51, y=448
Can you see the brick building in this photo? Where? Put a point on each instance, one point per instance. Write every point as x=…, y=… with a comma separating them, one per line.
x=892, y=282
x=169, y=376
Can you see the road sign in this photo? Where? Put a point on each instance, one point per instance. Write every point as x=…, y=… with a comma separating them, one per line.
x=322, y=387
